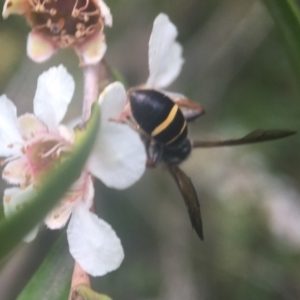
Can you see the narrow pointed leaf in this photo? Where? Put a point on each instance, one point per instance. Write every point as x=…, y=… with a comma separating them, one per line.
x=57, y=183
x=52, y=280
x=286, y=15
x=117, y=76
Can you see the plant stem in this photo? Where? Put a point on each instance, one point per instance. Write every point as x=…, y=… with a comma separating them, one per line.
x=80, y=277
x=91, y=77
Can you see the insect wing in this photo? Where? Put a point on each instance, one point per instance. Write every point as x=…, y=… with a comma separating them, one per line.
x=190, y=110
x=190, y=197
x=256, y=136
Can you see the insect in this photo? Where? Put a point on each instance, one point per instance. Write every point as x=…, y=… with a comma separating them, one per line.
x=162, y=121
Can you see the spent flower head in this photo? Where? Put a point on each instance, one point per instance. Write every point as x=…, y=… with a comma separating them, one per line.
x=61, y=24
x=33, y=143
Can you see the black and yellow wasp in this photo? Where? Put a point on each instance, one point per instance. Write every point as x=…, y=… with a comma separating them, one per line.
x=162, y=123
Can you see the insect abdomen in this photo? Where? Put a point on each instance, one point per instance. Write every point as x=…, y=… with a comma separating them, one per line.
x=158, y=116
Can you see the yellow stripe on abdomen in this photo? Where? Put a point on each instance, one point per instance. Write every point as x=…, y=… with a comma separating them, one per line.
x=175, y=137
x=162, y=126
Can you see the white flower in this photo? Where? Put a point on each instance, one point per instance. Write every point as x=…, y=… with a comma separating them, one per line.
x=31, y=143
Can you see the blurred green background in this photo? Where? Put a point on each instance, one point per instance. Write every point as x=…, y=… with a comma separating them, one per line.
x=236, y=67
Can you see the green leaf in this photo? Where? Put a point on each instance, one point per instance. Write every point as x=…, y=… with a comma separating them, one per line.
x=57, y=183
x=84, y=292
x=287, y=19
x=119, y=77
x=52, y=280
x=116, y=75
x=1, y=212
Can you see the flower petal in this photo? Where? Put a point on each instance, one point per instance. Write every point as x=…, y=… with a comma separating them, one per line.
x=15, y=171
x=112, y=101
x=9, y=130
x=9, y=205
x=93, y=243
x=66, y=133
x=39, y=48
x=13, y=7
x=81, y=190
x=59, y=216
x=105, y=13
x=165, y=54
x=92, y=50
x=118, y=157
x=14, y=200
x=55, y=89
x=29, y=126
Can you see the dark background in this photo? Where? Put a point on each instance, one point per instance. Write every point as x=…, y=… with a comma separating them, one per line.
x=236, y=67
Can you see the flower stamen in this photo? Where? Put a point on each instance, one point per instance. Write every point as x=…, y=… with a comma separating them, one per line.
x=9, y=159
